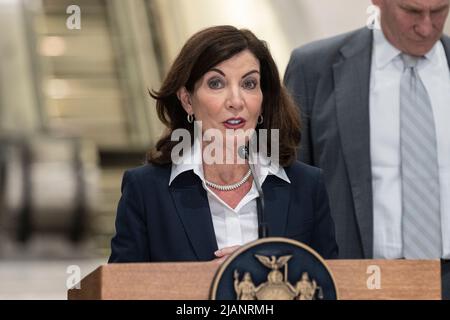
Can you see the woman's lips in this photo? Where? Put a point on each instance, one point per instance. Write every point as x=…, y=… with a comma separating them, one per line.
x=234, y=123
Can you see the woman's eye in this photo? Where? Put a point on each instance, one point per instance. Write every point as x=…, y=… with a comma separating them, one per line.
x=250, y=84
x=215, y=84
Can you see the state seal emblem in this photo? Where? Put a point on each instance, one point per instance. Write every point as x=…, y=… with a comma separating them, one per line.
x=274, y=269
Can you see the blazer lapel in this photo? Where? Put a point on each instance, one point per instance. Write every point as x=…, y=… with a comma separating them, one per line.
x=192, y=207
x=276, y=200
x=352, y=84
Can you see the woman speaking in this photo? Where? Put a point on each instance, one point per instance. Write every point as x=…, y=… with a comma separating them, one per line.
x=198, y=205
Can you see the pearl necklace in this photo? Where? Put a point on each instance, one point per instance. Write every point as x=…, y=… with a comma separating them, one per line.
x=229, y=187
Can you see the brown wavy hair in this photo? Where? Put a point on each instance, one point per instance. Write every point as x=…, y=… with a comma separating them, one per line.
x=203, y=51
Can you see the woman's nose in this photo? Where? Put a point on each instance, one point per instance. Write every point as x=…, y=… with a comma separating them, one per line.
x=235, y=99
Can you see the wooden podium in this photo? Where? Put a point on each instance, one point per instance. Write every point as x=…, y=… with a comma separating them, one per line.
x=398, y=279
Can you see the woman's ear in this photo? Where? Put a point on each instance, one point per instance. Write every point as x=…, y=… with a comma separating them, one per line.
x=185, y=99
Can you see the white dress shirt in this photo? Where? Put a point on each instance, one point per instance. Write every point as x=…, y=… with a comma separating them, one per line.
x=236, y=226
x=387, y=69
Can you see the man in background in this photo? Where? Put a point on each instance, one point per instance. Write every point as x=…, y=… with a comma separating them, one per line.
x=376, y=112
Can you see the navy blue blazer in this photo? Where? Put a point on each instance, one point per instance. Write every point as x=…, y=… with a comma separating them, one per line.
x=157, y=222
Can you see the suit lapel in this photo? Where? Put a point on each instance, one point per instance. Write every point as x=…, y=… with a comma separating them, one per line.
x=352, y=82
x=192, y=207
x=276, y=199
x=446, y=43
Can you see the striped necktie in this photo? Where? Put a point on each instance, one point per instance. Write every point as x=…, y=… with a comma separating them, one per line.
x=421, y=220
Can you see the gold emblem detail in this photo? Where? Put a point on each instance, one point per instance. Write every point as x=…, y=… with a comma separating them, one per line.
x=277, y=286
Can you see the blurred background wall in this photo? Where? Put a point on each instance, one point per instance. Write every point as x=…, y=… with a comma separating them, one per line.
x=75, y=113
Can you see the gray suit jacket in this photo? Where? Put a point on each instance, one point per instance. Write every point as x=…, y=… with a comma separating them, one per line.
x=330, y=81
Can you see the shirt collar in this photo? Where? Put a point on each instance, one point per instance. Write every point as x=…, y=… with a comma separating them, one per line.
x=192, y=160
x=263, y=167
x=436, y=55
x=385, y=52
